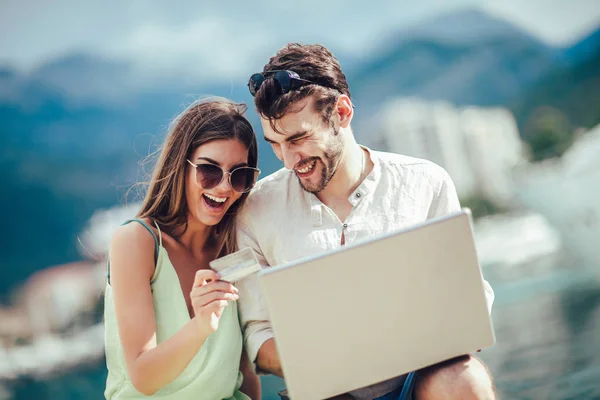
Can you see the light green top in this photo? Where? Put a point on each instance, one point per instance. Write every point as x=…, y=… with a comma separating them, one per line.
x=213, y=373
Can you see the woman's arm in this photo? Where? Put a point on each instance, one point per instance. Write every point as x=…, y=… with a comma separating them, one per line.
x=251, y=385
x=151, y=366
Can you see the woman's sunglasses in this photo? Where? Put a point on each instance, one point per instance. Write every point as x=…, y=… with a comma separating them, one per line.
x=287, y=80
x=241, y=179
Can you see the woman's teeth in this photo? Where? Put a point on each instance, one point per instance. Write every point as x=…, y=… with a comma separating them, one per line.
x=217, y=199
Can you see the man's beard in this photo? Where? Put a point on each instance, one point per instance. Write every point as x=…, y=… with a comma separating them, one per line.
x=332, y=157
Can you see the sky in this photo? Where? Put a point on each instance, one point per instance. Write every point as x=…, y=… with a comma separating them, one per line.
x=227, y=37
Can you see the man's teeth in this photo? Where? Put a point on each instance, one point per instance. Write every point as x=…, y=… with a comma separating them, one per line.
x=217, y=199
x=307, y=168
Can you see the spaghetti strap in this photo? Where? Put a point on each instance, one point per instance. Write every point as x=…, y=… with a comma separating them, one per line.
x=159, y=234
x=148, y=229
x=157, y=242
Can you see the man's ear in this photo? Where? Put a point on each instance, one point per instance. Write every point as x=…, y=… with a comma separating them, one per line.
x=345, y=110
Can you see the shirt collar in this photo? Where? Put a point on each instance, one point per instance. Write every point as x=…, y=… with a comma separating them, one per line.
x=369, y=183
x=316, y=210
x=366, y=187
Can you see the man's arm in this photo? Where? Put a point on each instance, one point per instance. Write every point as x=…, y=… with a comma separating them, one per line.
x=254, y=315
x=268, y=358
x=251, y=383
x=444, y=202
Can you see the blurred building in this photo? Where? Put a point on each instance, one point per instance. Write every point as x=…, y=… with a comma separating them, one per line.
x=565, y=191
x=479, y=147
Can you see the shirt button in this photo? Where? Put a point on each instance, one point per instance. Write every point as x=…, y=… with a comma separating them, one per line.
x=345, y=225
x=358, y=194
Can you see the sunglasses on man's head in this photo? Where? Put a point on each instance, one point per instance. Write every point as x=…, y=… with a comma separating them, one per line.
x=241, y=179
x=286, y=80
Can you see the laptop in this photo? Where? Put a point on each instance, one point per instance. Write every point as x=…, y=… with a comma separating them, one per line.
x=378, y=309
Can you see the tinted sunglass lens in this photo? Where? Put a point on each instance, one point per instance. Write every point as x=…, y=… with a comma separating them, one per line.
x=208, y=176
x=254, y=83
x=284, y=80
x=242, y=179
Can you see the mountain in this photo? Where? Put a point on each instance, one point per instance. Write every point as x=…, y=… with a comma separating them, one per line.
x=465, y=58
x=562, y=101
x=583, y=49
x=572, y=88
x=466, y=26
x=47, y=121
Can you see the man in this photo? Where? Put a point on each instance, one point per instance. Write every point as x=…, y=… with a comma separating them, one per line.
x=334, y=192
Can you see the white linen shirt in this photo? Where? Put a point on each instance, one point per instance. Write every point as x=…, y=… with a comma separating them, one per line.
x=282, y=222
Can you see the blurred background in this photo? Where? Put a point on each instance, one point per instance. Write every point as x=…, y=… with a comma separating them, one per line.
x=504, y=94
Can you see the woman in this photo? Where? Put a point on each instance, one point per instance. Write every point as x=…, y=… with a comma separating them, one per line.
x=172, y=329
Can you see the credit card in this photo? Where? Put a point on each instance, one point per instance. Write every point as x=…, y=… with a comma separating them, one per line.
x=236, y=266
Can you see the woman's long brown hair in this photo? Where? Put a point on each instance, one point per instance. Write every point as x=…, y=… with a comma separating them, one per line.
x=202, y=122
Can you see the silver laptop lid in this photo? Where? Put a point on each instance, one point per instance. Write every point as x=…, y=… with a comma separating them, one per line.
x=378, y=309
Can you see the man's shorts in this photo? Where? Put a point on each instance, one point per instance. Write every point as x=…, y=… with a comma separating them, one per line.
x=404, y=392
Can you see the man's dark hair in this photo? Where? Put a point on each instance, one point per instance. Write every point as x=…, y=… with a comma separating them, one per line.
x=312, y=62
